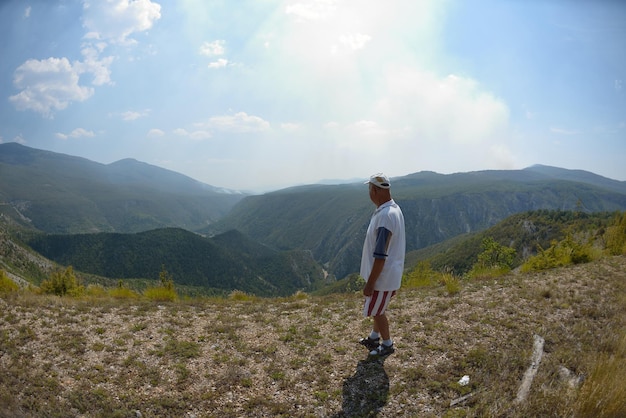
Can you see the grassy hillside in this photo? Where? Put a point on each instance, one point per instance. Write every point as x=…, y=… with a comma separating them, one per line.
x=299, y=356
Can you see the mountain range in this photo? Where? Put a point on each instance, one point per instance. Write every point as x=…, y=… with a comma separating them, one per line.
x=58, y=193
x=331, y=221
x=74, y=203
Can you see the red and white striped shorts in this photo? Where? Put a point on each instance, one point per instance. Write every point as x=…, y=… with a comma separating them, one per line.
x=376, y=304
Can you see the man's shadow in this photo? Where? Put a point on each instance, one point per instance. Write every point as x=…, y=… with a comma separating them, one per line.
x=365, y=393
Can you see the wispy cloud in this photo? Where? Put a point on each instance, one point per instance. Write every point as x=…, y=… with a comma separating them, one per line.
x=240, y=122
x=561, y=131
x=131, y=115
x=155, y=133
x=196, y=135
x=311, y=10
x=220, y=63
x=76, y=133
x=213, y=48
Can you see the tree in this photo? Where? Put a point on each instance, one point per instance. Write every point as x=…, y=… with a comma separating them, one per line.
x=166, y=279
x=495, y=255
x=63, y=283
x=495, y=260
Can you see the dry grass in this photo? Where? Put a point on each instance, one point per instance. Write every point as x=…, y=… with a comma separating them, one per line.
x=298, y=356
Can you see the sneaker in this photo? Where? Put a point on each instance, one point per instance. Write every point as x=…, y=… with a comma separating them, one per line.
x=369, y=343
x=382, y=350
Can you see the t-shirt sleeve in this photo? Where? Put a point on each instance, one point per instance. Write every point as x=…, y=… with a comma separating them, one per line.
x=383, y=235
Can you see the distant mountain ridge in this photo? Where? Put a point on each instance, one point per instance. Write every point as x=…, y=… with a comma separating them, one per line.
x=59, y=193
x=330, y=221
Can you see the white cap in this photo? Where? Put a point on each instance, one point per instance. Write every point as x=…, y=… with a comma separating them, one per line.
x=379, y=180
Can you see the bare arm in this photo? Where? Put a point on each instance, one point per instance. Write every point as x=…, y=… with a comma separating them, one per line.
x=379, y=263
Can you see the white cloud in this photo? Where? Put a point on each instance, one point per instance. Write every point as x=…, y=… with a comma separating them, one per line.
x=76, y=133
x=48, y=85
x=197, y=135
x=19, y=139
x=134, y=115
x=27, y=12
x=93, y=64
x=155, y=133
x=220, y=63
x=312, y=9
x=51, y=84
x=117, y=20
x=240, y=122
x=214, y=48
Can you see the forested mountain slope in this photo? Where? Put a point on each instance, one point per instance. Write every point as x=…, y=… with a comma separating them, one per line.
x=221, y=264
x=331, y=220
x=61, y=194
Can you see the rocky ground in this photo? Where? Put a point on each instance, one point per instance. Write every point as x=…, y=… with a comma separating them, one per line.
x=299, y=356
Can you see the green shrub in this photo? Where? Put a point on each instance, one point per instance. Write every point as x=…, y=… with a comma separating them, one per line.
x=95, y=290
x=160, y=294
x=421, y=276
x=615, y=236
x=300, y=295
x=452, y=284
x=6, y=284
x=122, y=292
x=562, y=253
x=495, y=260
x=165, y=292
x=355, y=283
x=63, y=283
x=240, y=296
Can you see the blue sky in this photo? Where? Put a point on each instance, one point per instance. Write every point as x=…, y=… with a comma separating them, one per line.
x=263, y=94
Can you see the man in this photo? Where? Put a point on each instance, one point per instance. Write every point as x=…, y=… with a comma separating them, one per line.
x=382, y=263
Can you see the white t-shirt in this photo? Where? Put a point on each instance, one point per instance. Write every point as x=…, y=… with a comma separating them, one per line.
x=388, y=216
